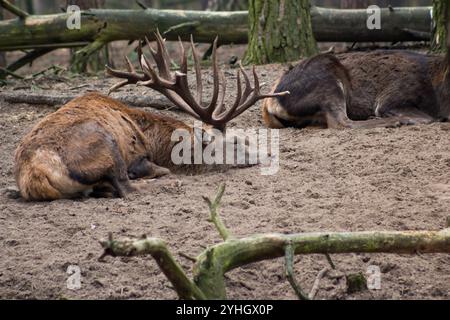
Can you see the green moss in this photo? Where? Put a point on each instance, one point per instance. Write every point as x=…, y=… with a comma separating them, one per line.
x=441, y=11
x=356, y=282
x=279, y=31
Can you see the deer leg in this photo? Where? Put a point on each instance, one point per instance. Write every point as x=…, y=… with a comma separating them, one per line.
x=336, y=117
x=406, y=116
x=103, y=190
x=143, y=168
x=118, y=175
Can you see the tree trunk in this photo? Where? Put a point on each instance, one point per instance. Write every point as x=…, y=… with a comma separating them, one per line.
x=441, y=10
x=279, y=31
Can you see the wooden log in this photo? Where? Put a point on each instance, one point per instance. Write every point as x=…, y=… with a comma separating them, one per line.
x=105, y=25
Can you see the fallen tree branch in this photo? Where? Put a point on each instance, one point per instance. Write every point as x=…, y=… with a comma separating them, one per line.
x=13, y=9
x=184, y=287
x=289, y=262
x=26, y=59
x=213, y=210
x=106, y=25
x=159, y=103
x=5, y=72
x=215, y=261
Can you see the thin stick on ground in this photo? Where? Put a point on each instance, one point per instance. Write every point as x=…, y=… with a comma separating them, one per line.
x=330, y=262
x=315, y=287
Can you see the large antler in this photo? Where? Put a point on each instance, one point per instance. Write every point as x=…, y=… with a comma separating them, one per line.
x=175, y=86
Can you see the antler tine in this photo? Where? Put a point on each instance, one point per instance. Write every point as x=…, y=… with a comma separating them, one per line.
x=175, y=86
x=130, y=66
x=248, y=88
x=171, y=89
x=229, y=114
x=212, y=104
x=198, y=72
x=256, y=91
x=160, y=56
x=256, y=95
x=182, y=78
x=152, y=77
x=117, y=86
x=256, y=87
x=220, y=107
x=132, y=77
x=183, y=62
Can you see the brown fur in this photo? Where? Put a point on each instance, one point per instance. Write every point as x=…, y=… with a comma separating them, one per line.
x=88, y=142
x=351, y=89
x=95, y=143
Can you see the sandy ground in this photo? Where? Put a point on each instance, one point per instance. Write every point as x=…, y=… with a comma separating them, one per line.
x=329, y=180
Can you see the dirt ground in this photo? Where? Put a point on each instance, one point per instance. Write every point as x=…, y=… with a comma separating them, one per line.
x=329, y=180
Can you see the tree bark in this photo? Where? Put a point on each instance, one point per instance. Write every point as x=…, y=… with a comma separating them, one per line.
x=441, y=11
x=279, y=31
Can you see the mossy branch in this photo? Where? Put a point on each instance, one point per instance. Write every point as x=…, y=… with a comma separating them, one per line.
x=232, y=254
x=327, y=25
x=289, y=261
x=184, y=287
x=81, y=57
x=212, y=264
x=214, y=216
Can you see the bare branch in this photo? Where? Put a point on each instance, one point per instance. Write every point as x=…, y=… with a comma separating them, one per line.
x=184, y=287
x=13, y=9
x=289, y=260
x=214, y=216
x=330, y=262
x=315, y=287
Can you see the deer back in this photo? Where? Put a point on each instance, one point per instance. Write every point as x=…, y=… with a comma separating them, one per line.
x=76, y=147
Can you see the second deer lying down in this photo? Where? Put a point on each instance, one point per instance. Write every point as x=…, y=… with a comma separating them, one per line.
x=97, y=144
x=362, y=90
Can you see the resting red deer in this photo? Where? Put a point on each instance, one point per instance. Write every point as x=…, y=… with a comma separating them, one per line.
x=95, y=143
x=362, y=90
